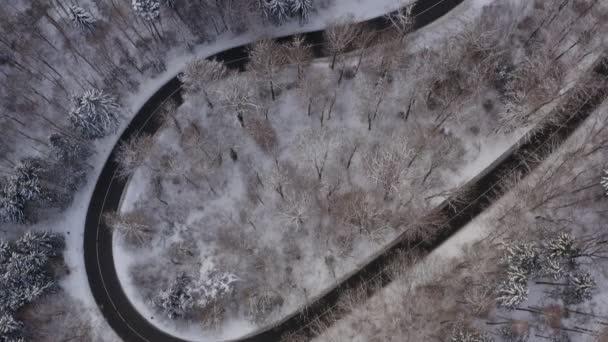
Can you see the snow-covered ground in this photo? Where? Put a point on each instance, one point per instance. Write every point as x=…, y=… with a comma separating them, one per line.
x=578, y=209
x=480, y=150
x=72, y=220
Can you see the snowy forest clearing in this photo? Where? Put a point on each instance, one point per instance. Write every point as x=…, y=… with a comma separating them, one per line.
x=265, y=194
x=460, y=282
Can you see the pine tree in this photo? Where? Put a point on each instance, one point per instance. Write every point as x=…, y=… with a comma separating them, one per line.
x=40, y=242
x=26, y=180
x=170, y=3
x=95, y=114
x=522, y=256
x=81, y=18
x=301, y=9
x=511, y=294
x=604, y=182
x=11, y=205
x=24, y=276
x=276, y=11
x=147, y=9
x=9, y=327
x=5, y=251
x=563, y=246
x=580, y=288
x=553, y=268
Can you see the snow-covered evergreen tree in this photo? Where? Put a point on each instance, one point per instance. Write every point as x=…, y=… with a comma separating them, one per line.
x=580, y=288
x=563, y=246
x=147, y=9
x=301, y=9
x=170, y=3
x=276, y=11
x=43, y=242
x=26, y=180
x=604, y=182
x=95, y=113
x=5, y=251
x=11, y=205
x=523, y=256
x=510, y=294
x=10, y=328
x=24, y=185
x=551, y=267
x=81, y=18
x=24, y=276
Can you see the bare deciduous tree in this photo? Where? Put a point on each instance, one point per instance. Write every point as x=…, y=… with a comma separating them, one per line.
x=199, y=73
x=265, y=57
x=339, y=36
x=299, y=53
x=131, y=226
x=387, y=164
x=402, y=20
x=132, y=154
x=319, y=147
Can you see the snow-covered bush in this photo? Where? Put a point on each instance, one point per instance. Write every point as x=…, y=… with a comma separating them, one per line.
x=217, y=286
x=184, y=294
x=176, y=300
x=146, y=9
x=24, y=276
x=95, y=113
x=81, y=17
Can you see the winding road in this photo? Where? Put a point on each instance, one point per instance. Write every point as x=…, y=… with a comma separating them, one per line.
x=130, y=325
